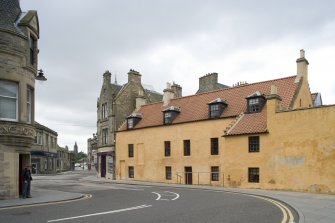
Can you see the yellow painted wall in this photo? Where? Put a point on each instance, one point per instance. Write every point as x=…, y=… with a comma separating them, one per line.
x=298, y=153
x=149, y=160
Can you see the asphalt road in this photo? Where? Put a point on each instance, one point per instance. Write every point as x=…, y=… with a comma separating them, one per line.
x=130, y=203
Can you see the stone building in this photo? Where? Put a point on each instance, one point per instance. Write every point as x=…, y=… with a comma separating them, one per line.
x=44, y=154
x=65, y=159
x=115, y=104
x=19, y=34
x=92, y=146
x=267, y=135
x=209, y=82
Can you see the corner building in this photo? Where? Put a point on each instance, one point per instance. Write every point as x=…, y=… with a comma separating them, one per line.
x=19, y=32
x=271, y=135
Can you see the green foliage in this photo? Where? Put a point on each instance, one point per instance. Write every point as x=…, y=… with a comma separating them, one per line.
x=80, y=157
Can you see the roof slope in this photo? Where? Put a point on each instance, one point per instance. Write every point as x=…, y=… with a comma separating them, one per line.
x=195, y=107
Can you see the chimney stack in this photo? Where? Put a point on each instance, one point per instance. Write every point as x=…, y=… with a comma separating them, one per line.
x=302, y=67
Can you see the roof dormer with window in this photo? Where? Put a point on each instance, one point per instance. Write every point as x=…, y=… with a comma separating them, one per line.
x=133, y=119
x=216, y=107
x=169, y=114
x=255, y=102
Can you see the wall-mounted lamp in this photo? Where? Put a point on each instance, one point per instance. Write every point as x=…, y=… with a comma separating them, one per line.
x=40, y=76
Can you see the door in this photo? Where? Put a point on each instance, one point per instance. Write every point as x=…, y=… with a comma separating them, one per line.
x=103, y=165
x=188, y=175
x=34, y=168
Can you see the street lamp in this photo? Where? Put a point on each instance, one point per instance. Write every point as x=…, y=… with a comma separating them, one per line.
x=40, y=76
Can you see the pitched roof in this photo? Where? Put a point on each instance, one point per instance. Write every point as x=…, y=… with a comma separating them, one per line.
x=249, y=124
x=195, y=107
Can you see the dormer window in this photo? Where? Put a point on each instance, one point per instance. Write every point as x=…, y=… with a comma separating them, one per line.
x=216, y=107
x=133, y=119
x=169, y=114
x=255, y=102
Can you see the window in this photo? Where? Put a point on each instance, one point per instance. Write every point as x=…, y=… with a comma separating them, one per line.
x=254, y=105
x=168, y=173
x=187, y=148
x=8, y=100
x=214, y=111
x=214, y=146
x=167, y=118
x=130, y=150
x=253, y=175
x=131, y=172
x=130, y=123
x=104, y=136
x=104, y=110
x=216, y=107
x=29, y=97
x=169, y=114
x=32, y=47
x=254, y=144
x=39, y=139
x=167, y=148
x=214, y=173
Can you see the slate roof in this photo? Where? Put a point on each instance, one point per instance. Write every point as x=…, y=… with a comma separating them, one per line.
x=10, y=12
x=195, y=107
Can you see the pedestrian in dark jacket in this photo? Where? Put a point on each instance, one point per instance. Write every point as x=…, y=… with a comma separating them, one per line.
x=26, y=175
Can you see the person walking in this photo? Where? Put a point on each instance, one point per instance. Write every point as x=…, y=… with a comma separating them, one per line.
x=26, y=182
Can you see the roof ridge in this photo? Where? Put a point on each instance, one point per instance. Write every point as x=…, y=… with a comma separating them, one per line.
x=227, y=89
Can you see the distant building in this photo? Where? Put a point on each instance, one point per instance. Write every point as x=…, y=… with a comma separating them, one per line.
x=92, y=147
x=115, y=104
x=209, y=82
x=19, y=34
x=44, y=151
x=65, y=161
x=75, y=148
x=272, y=134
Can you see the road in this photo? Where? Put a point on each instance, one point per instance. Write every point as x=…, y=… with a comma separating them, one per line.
x=133, y=203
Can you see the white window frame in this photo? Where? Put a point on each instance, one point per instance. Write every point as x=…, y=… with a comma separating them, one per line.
x=16, y=98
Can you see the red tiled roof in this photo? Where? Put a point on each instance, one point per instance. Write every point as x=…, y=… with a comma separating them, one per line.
x=195, y=107
x=249, y=124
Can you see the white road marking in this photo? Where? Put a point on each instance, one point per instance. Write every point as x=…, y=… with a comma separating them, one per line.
x=159, y=196
x=177, y=195
x=102, y=213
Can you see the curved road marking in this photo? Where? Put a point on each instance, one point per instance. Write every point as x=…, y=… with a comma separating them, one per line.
x=177, y=195
x=158, y=195
x=282, y=207
x=102, y=213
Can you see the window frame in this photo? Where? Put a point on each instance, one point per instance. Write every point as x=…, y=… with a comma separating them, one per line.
x=130, y=123
x=214, y=110
x=253, y=174
x=130, y=150
x=187, y=147
x=16, y=99
x=29, y=104
x=168, y=172
x=167, y=148
x=214, y=146
x=32, y=50
x=167, y=118
x=254, y=144
x=215, y=173
x=131, y=172
x=104, y=137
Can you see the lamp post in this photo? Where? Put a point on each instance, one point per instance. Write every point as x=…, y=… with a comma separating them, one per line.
x=40, y=76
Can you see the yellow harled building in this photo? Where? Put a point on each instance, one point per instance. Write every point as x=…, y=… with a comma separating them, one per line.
x=273, y=134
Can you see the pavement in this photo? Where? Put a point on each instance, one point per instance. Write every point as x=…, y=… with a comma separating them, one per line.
x=312, y=208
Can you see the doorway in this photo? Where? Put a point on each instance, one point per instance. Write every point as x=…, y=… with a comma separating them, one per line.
x=188, y=175
x=34, y=168
x=103, y=165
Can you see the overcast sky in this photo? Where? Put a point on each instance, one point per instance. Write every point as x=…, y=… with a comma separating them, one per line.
x=171, y=40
